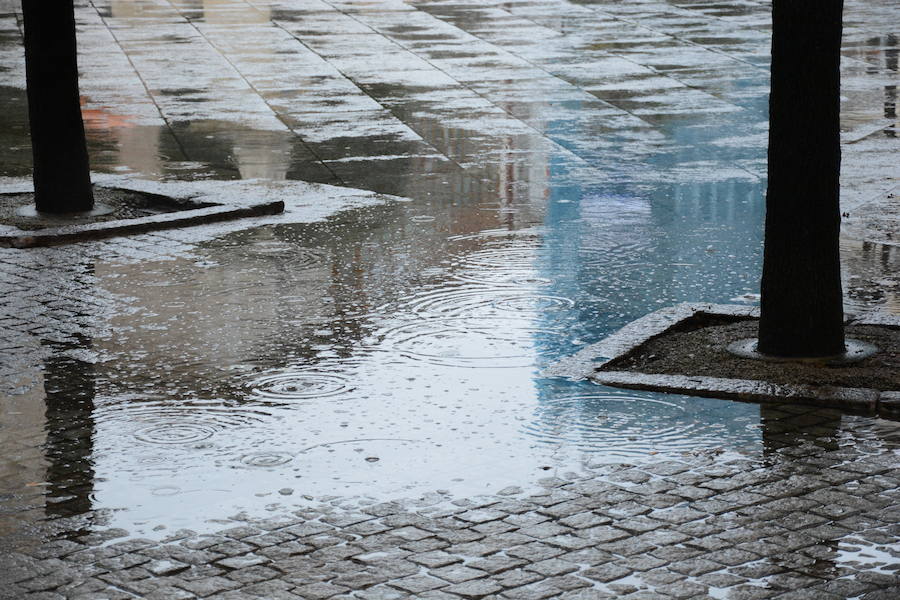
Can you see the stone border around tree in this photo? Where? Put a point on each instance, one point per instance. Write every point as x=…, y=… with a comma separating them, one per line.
x=207, y=210
x=633, y=336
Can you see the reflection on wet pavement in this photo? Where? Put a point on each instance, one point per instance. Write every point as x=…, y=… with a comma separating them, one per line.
x=564, y=168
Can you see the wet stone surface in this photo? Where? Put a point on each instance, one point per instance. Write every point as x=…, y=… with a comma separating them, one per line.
x=814, y=512
x=346, y=400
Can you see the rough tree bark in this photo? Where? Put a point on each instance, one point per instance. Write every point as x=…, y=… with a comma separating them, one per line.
x=802, y=301
x=62, y=181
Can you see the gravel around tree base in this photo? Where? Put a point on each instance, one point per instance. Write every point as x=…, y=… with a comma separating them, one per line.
x=126, y=204
x=702, y=351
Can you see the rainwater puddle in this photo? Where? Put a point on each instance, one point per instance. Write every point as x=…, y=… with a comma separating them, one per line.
x=364, y=358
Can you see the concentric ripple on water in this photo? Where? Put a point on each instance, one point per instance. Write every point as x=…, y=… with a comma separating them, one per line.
x=480, y=301
x=299, y=385
x=515, y=258
x=500, y=235
x=498, y=257
x=532, y=303
x=461, y=342
x=623, y=425
x=175, y=433
x=266, y=459
x=520, y=278
x=299, y=257
x=161, y=421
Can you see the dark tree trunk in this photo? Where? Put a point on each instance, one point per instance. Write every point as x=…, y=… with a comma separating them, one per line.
x=62, y=180
x=802, y=302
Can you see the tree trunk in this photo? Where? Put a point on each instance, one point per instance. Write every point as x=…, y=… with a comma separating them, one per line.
x=62, y=179
x=802, y=301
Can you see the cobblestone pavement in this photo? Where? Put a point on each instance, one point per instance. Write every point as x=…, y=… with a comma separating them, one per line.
x=482, y=119
x=814, y=518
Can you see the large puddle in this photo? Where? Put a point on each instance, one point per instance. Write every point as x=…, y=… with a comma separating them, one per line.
x=396, y=351
x=386, y=356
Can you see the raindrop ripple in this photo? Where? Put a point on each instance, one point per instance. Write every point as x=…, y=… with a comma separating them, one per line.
x=300, y=385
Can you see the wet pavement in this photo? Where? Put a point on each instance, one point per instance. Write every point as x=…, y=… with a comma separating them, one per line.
x=346, y=400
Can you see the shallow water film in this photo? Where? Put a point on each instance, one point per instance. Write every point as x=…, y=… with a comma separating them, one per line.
x=474, y=191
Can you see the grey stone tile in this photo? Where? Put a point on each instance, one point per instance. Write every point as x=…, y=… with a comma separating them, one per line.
x=435, y=559
x=417, y=584
x=456, y=573
x=319, y=591
x=478, y=588
x=606, y=573
x=515, y=578
x=208, y=586
x=683, y=589
x=534, y=551
x=552, y=567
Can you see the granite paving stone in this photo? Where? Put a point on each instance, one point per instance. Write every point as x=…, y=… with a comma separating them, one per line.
x=479, y=548
x=435, y=559
x=543, y=530
x=456, y=573
x=253, y=574
x=683, y=589
x=208, y=586
x=589, y=556
x=474, y=589
x=272, y=588
x=425, y=545
x=537, y=591
x=606, y=573
x=380, y=593
x=418, y=584
x=552, y=567
x=603, y=533
x=586, y=594
x=534, y=551
x=516, y=577
x=569, y=542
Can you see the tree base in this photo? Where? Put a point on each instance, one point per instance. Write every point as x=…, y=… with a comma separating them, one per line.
x=98, y=211
x=124, y=211
x=682, y=350
x=854, y=351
